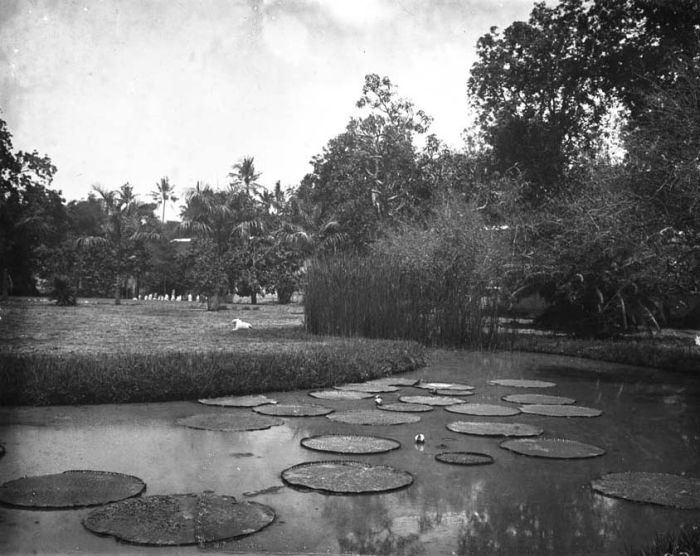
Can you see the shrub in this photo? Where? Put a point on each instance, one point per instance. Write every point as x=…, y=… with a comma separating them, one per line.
x=62, y=291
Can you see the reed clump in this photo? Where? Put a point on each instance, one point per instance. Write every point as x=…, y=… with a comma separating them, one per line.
x=436, y=284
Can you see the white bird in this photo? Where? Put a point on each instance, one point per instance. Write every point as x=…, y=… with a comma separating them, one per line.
x=238, y=324
x=378, y=400
x=420, y=438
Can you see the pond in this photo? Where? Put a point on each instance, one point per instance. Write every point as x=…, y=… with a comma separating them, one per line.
x=516, y=505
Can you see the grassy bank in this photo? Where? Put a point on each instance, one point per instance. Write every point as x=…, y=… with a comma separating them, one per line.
x=669, y=353
x=138, y=352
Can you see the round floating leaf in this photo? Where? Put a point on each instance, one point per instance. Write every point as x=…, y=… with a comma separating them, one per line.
x=238, y=401
x=480, y=428
x=372, y=417
x=464, y=458
x=483, y=409
x=293, y=410
x=367, y=387
x=541, y=399
x=557, y=448
x=651, y=488
x=406, y=407
x=340, y=395
x=394, y=381
x=561, y=410
x=229, y=422
x=70, y=489
x=179, y=519
x=443, y=386
x=346, y=477
x=430, y=400
x=448, y=392
x=350, y=444
x=520, y=383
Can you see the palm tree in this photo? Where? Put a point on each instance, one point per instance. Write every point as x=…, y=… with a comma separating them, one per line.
x=210, y=216
x=163, y=193
x=125, y=221
x=245, y=175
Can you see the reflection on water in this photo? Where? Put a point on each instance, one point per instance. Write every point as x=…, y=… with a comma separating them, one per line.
x=518, y=505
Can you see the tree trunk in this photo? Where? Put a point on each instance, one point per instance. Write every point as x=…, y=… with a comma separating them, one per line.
x=254, y=298
x=117, y=292
x=213, y=302
x=5, y=284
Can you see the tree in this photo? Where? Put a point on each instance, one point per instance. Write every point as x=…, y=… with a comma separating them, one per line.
x=244, y=176
x=367, y=177
x=164, y=193
x=31, y=214
x=125, y=223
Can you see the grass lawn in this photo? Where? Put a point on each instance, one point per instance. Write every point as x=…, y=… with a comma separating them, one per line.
x=97, y=352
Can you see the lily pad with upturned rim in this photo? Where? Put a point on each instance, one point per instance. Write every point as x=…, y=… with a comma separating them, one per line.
x=521, y=383
x=179, y=519
x=431, y=400
x=539, y=399
x=70, y=489
x=394, y=381
x=406, y=407
x=229, y=422
x=481, y=428
x=346, y=477
x=340, y=395
x=368, y=388
x=372, y=417
x=350, y=444
x=443, y=386
x=464, y=458
x=651, y=488
x=448, y=392
x=556, y=448
x=238, y=401
x=293, y=410
x=561, y=410
x=486, y=409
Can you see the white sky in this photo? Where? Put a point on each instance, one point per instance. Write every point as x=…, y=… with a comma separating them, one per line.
x=134, y=90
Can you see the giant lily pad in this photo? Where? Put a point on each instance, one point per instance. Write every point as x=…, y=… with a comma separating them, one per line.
x=346, y=477
x=521, y=383
x=238, y=401
x=367, y=387
x=561, y=410
x=557, y=448
x=406, y=407
x=483, y=409
x=179, y=519
x=395, y=381
x=443, y=386
x=464, y=458
x=372, y=417
x=340, y=395
x=651, y=488
x=70, y=489
x=350, y=444
x=431, y=400
x=293, y=410
x=541, y=399
x=229, y=422
x=481, y=428
x=448, y=392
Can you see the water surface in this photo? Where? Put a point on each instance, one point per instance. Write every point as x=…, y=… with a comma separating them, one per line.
x=518, y=505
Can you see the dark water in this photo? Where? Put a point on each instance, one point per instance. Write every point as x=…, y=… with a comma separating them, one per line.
x=518, y=505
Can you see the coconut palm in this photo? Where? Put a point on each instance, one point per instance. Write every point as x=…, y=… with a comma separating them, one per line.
x=245, y=176
x=125, y=221
x=164, y=193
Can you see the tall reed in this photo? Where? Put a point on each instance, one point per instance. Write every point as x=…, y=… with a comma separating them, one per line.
x=435, y=284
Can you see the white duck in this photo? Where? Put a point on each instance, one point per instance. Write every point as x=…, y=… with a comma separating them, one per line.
x=378, y=400
x=238, y=324
x=420, y=438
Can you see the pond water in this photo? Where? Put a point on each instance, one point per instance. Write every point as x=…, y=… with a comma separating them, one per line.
x=517, y=505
